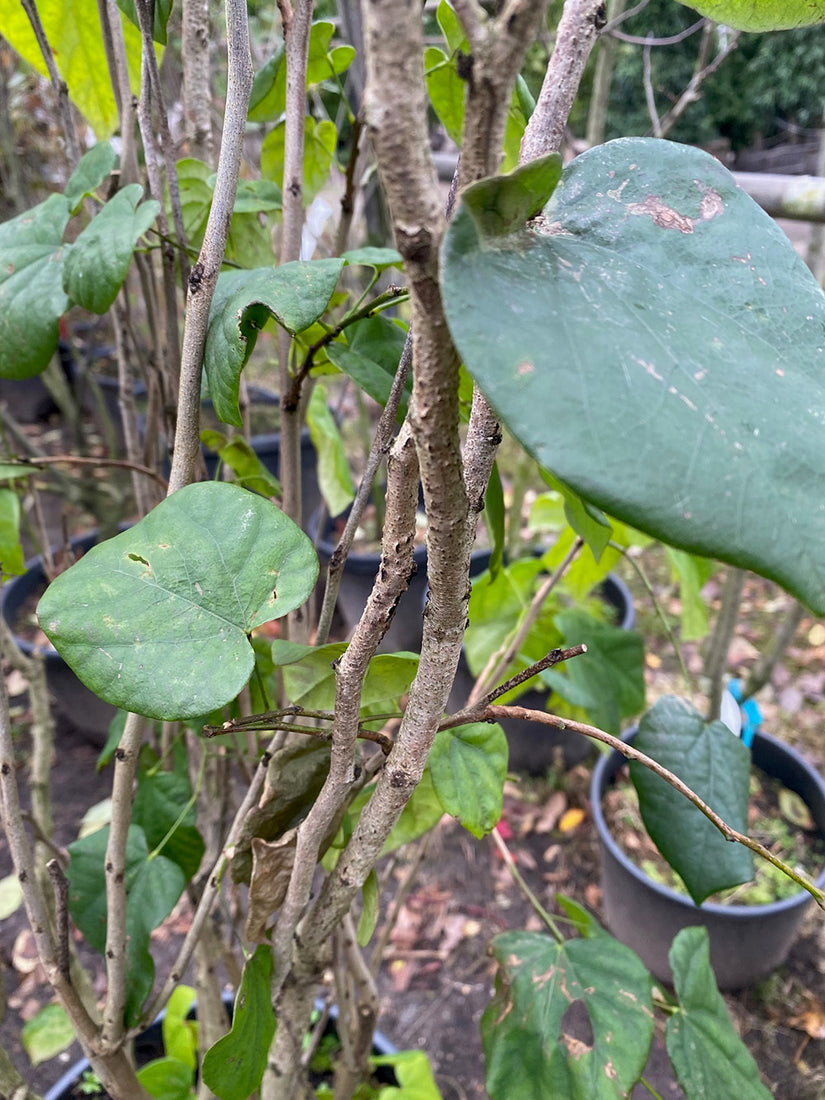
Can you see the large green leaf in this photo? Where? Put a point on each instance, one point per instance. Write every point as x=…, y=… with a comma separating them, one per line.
x=153, y=887
x=608, y=681
x=32, y=298
x=710, y=1059
x=762, y=15
x=73, y=30
x=295, y=294
x=468, y=766
x=234, y=1066
x=156, y=619
x=655, y=341
x=716, y=765
x=530, y=1053
x=97, y=263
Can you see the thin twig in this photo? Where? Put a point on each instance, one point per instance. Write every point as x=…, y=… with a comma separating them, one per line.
x=204, y=274
x=497, y=713
x=554, y=657
x=57, y=82
x=209, y=895
x=499, y=662
x=701, y=73
x=419, y=852
x=381, y=442
x=660, y=611
x=625, y=15
x=393, y=295
x=762, y=670
x=650, y=95
x=671, y=40
x=716, y=662
x=79, y=460
x=520, y=881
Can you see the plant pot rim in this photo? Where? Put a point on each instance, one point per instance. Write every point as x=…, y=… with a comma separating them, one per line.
x=357, y=561
x=85, y=542
x=598, y=784
x=59, y=1090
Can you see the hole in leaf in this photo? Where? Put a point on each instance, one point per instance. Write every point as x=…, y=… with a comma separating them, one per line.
x=137, y=557
x=576, y=1029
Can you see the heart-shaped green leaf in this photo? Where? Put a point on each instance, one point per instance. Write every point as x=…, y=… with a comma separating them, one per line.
x=710, y=1059
x=655, y=341
x=96, y=265
x=156, y=620
x=762, y=15
x=529, y=1050
x=295, y=294
x=716, y=766
x=32, y=299
x=468, y=766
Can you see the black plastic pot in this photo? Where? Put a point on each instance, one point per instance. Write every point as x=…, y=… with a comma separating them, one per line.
x=360, y=571
x=267, y=446
x=73, y=699
x=534, y=748
x=746, y=942
x=149, y=1045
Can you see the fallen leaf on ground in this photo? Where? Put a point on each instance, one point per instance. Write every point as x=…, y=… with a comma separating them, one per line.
x=593, y=895
x=401, y=973
x=812, y=1022
x=571, y=820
